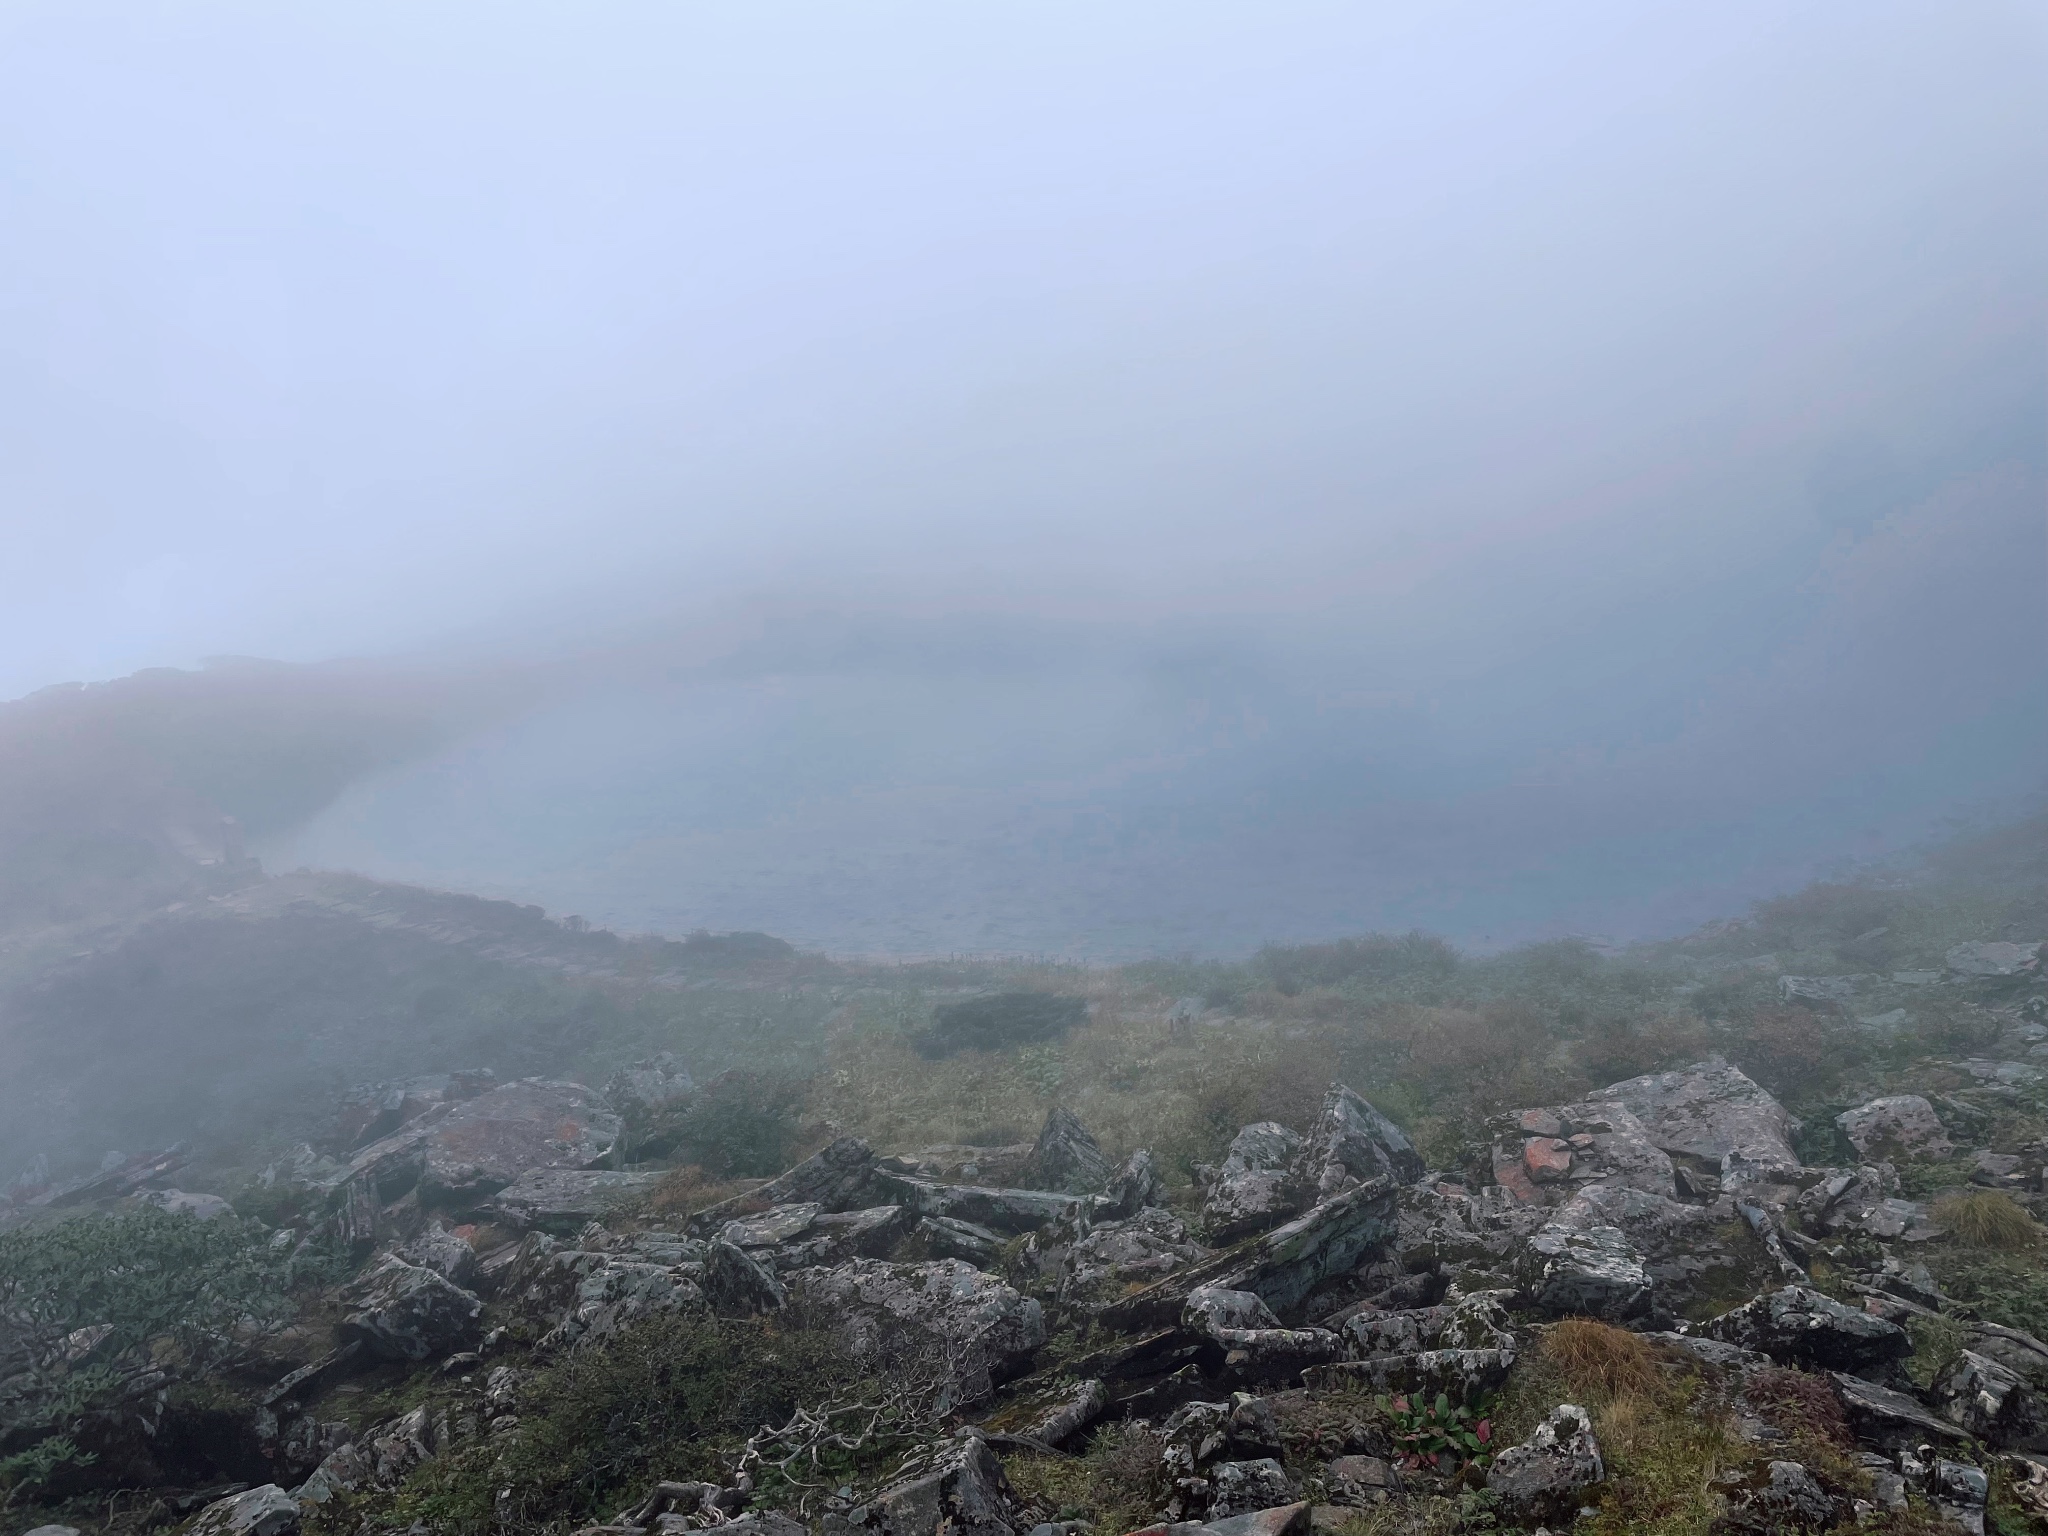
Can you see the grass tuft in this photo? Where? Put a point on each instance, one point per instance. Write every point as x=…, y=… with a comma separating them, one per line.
x=1598, y=1361
x=1987, y=1219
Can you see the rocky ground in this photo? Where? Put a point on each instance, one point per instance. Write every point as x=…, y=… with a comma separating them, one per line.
x=473, y=1304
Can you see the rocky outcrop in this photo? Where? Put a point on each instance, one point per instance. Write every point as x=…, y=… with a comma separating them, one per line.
x=1989, y=1400
x=1994, y=959
x=1783, y=1496
x=1350, y=1144
x=1112, y=1256
x=737, y=1284
x=1899, y=1126
x=947, y=1315
x=1084, y=1404
x=1134, y=1187
x=644, y=1089
x=1546, y=1478
x=841, y=1177
x=402, y=1311
x=435, y=1247
x=1800, y=1325
x=1066, y=1156
x=1710, y=1110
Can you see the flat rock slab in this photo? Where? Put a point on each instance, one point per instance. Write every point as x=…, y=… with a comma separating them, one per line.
x=485, y=1143
x=1284, y=1520
x=564, y=1199
x=1712, y=1110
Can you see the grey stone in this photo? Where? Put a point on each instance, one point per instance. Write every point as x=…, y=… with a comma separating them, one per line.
x=647, y=1087
x=565, y=1200
x=1546, y=1477
x=949, y=1238
x=435, y=1247
x=1104, y=1262
x=1800, y=1324
x=1086, y=1403
x=481, y=1145
x=264, y=1511
x=1786, y=1497
x=1067, y=1156
x=1352, y=1143
x=983, y=1330
x=1832, y=991
x=181, y=1202
x=1711, y=1110
x=1211, y=1309
x=1994, y=959
x=1242, y=1487
x=1900, y=1125
x=1584, y=1272
x=1134, y=1187
x=1548, y=1155
x=612, y=1292
x=737, y=1284
x=961, y=1491
x=1255, y=1187
x=1727, y=1357
x=776, y=1225
x=1989, y=1400
x=1461, y=1374
x=52, y=1530
x=1011, y=1211
x=403, y=1311
x=1960, y=1491
x=1361, y=1481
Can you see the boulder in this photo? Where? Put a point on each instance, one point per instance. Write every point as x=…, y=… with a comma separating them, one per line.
x=1994, y=959
x=1783, y=1497
x=737, y=1284
x=614, y=1292
x=1892, y=1420
x=1988, y=1399
x=960, y=1490
x=1866, y=1200
x=1066, y=1156
x=435, y=1247
x=1594, y=1271
x=1244, y=1487
x=1960, y=1491
x=1709, y=1110
x=771, y=1228
x=565, y=1200
x=841, y=1177
x=975, y=1328
x=1134, y=1187
x=1255, y=1187
x=405, y=1311
x=1011, y=1211
x=1545, y=1479
x=645, y=1088
x=1351, y=1143
x=264, y=1511
x=1361, y=1482
x=1107, y=1260
x=1460, y=1374
x=1799, y=1324
x=483, y=1144
x=1900, y=1125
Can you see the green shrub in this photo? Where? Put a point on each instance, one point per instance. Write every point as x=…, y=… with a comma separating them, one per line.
x=998, y=1022
x=739, y=1125
x=93, y=1304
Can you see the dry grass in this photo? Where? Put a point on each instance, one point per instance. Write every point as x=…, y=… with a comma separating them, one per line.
x=689, y=1189
x=1599, y=1362
x=1987, y=1219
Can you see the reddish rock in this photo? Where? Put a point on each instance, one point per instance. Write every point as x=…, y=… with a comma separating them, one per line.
x=1540, y=1122
x=1547, y=1159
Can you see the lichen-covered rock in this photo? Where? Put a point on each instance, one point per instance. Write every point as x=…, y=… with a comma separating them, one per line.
x=1067, y=1156
x=1783, y=1497
x=1545, y=1479
x=264, y=1511
x=1134, y=1187
x=1994, y=959
x=1544, y=1156
x=1592, y=1271
x=1864, y=1199
x=1010, y=1211
x=1242, y=1487
x=1799, y=1324
x=1112, y=1256
x=435, y=1247
x=1082, y=1406
x=768, y=1229
x=1990, y=1401
x=403, y=1311
x=1885, y=1418
x=979, y=1330
x=643, y=1089
x=565, y=1200
x=948, y=1238
x=613, y=1292
x=1900, y=1125
x=960, y=1490
x=1709, y=1110
x=1960, y=1491
x=1350, y=1143
x=1461, y=1374
x=1255, y=1188
x=482, y=1144
x=737, y=1284
x=1361, y=1482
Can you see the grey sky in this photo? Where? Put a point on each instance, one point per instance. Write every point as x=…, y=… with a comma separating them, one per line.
x=1641, y=395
